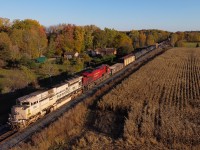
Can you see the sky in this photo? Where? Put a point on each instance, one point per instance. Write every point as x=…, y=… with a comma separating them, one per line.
x=123, y=15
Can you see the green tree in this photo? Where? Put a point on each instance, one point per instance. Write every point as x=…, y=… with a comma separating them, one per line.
x=122, y=40
x=123, y=44
x=134, y=35
x=99, y=40
x=110, y=35
x=29, y=75
x=51, y=50
x=47, y=69
x=124, y=50
x=88, y=38
x=86, y=57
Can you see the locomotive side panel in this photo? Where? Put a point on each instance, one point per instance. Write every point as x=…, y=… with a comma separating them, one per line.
x=44, y=104
x=75, y=84
x=62, y=90
x=92, y=76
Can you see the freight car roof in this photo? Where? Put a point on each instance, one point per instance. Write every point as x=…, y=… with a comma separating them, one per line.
x=127, y=56
x=75, y=79
x=116, y=65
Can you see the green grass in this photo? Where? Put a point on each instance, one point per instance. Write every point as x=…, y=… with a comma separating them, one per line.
x=190, y=44
x=4, y=73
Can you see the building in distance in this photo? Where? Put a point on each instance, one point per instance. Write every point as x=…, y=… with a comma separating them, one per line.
x=70, y=55
x=102, y=51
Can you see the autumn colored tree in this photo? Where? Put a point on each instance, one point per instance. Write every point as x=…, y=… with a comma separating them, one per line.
x=79, y=33
x=194, y=37
x=142, y=39
x=123, y=44
x=5, y=24
x=174, y=39
x=30, y=37
x=180, y=43
x=40, y=41
x=5, y=46
x=150, y=40
x=68, y=34
x=181, y=36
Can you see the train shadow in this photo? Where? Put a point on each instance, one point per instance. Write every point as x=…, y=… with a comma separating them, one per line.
x=7, y=100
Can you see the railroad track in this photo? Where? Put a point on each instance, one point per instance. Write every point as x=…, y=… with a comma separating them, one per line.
x=6, y=135
x=3, y=129
x=11, y=138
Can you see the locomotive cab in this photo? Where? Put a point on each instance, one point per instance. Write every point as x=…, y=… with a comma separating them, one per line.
x=19, y=113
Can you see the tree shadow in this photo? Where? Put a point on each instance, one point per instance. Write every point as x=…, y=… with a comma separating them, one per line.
x=7, y=100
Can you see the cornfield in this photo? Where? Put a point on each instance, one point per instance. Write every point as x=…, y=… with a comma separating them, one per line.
x=157, y=107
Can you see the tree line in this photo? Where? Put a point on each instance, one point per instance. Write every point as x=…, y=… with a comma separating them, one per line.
x=21, y=41
x=179, y=39
x=29, y=39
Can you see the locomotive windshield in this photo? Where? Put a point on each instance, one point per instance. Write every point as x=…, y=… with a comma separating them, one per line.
x=25, y=103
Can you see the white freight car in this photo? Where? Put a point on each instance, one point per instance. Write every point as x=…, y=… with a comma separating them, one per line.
x=116, y=67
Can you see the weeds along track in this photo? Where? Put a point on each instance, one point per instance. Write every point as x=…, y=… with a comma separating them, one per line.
x=44, y=122
x=163, y=102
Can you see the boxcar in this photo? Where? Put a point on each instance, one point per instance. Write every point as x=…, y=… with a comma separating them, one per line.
x=126, y=60
x=116, y=67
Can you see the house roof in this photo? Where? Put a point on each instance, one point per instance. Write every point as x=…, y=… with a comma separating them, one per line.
x=70, y=53
x=41, y=59
x=108, y=50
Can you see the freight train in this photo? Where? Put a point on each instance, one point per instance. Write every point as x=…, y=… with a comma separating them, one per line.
x=30, y=108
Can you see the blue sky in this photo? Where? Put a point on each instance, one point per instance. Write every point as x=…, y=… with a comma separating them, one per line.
x=171, y=15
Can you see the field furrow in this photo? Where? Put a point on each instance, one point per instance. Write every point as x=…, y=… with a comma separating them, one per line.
x=164, y=99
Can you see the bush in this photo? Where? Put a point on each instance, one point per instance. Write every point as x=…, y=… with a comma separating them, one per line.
x=2, y=63
x=124, y=50
x=180, y=44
